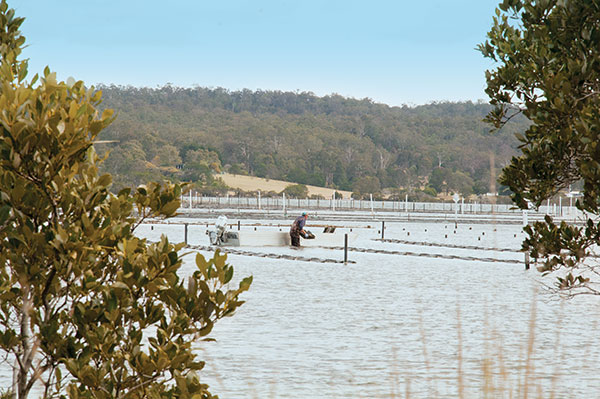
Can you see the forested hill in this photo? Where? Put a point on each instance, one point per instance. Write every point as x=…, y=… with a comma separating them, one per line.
x=332, y=141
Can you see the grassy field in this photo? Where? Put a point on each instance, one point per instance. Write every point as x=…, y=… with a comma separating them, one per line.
x=251, y=183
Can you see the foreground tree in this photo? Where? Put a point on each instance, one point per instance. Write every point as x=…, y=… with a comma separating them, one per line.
x=548, y=57
x=78, y=290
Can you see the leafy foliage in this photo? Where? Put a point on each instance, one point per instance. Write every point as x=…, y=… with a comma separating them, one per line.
x=548, y=58
x=296, y=191
x=78, y=290
x=366, y=185
x=325, y=141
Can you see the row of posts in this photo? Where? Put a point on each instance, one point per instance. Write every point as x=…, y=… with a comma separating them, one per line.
x=186, y=227
x=553, y=210
x=334, y=203
x=527, y=261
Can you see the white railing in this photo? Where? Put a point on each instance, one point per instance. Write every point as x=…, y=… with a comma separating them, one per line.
x=274, y=203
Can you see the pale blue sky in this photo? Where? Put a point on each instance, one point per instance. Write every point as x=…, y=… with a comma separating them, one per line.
x=395, y=52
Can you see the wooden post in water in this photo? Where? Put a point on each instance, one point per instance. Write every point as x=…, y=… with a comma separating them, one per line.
x=185, y=234
x=456, y=198
x=526, y=260
x=345, y=248
x=382, y=229
x=238, y=225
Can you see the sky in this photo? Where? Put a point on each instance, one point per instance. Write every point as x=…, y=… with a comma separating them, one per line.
x=397, y=52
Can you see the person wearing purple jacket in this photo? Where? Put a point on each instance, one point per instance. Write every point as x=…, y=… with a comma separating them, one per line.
x=298, y=229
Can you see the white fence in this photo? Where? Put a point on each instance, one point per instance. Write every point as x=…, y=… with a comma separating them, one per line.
x=273, y=203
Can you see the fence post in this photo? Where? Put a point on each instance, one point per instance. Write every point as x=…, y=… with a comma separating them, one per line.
x=345, y=248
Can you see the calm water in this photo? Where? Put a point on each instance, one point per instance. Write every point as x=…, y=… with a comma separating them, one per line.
x=389, y=325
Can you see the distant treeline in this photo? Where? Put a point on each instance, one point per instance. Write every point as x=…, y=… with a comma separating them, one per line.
x=333, y=141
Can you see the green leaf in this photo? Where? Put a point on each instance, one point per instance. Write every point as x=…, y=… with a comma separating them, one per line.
x=4, y=213
x=104, y=181
x=245, y=284
x=169, y=208
x=228, y=275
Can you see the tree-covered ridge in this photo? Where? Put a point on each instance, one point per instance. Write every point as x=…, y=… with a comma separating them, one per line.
x=329, y=141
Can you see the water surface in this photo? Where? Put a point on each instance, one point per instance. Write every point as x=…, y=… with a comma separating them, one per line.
x=389, y=325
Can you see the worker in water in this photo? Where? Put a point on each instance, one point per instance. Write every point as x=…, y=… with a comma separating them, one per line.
x=298, y=229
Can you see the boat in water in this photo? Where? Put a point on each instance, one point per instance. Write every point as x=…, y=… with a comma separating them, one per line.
x=221, y=236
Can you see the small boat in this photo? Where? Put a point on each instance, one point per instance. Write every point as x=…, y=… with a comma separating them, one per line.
x=222, y=237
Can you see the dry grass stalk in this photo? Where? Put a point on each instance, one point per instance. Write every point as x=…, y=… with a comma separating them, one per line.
x=529, y=365
x=433, y=391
